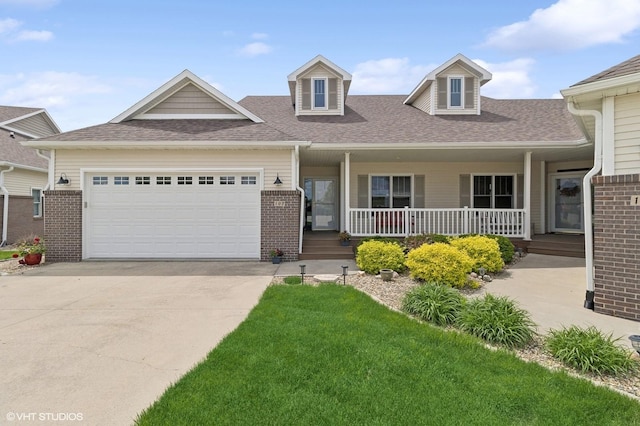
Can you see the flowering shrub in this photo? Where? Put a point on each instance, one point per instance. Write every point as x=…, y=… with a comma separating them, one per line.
x=375, y=255
x=484, y=251
x=440, y=263
x=31, y=247
x=276, y=253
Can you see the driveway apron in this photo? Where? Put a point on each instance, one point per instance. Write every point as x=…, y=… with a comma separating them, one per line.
x=97, y=348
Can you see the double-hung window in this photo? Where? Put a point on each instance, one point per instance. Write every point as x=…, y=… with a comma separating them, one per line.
x=36, y=194
x=493, y=192
x=390, y=191
x=456, y=91
x=319, y=95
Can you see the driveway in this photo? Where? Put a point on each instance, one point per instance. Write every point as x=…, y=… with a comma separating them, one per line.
x=100, y=341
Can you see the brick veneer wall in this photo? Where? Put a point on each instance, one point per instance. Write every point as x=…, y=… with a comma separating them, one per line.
x=21, y=222
x=63, y=226
x=280, y=223
x=616, y=248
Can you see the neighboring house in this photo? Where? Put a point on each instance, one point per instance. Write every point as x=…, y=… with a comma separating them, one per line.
x=607, y=107
x=189, y=173
x=23, y=171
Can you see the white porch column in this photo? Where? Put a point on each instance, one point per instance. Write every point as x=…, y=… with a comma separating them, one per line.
x=347, y=195
x=543, y=196
x=527, y=195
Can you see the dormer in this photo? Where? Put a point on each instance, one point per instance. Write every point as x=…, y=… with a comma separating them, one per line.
x=451, y=89
x=319, y=87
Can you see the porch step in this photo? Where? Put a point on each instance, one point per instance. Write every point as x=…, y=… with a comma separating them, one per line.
x=571, y=246
x=324, y=245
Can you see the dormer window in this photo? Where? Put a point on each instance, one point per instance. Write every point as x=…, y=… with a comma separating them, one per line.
x=456, y=92
x=319, y=93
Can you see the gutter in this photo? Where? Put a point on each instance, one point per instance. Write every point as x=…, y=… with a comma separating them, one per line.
x=296, y=183
x=586, y=185
x=5, y=211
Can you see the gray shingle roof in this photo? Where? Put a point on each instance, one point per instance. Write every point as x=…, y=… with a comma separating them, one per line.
x=385, y=119
x=175, y=130
x=12, y=151
x=630, y=66
x=11, y=112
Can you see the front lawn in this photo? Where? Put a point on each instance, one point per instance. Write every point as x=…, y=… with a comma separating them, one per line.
x=7, y=254
x=331, y=355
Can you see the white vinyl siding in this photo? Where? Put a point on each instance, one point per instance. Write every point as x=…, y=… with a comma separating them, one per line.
x=35, y=125
x=20, y=182
x=334, y=89
x=627, y=134
x=272, y=162
x=423, y=101
x=190, y=100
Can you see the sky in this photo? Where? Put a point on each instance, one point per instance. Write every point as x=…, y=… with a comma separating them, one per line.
x=88, y=61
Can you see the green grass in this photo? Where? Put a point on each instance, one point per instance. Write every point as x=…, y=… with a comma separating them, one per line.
x=6, y=254
x=329, y=355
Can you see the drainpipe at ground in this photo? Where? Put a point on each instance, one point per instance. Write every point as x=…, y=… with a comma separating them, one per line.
x=586, y=184
x=5, y=210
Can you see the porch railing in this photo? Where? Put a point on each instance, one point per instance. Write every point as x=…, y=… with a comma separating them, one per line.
x=410, y=221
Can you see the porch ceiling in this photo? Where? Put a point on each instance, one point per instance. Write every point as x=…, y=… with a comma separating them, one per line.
x=326, y=157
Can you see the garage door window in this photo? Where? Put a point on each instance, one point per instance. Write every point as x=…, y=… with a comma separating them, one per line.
x=227, y=180
x=121, y=180
x=100, y=180
x=205, y=180
x=143, y=180
x=248, y=180
x=185, y=180
x=163, y=180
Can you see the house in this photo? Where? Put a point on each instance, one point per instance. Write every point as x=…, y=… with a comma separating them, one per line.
x=607, y=107
x=189, y=173
x=23, y=171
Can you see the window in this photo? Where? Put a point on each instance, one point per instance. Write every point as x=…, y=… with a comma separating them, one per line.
x=36, y=194
x=185, y=180
x=143, y=180
x=455, y=92
x=248, y=180
x=205, y=180
x=390, y=191
x=227, y=180
x=163, y=180
x=121, y=180
x=319, y=93
x=493, y=192
x=100, y=180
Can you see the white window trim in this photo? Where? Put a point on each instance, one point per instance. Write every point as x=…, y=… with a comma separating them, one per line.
x=391, y=176
x=40, y=202
x=514, y=196
x=456, y=77
x=326, y=94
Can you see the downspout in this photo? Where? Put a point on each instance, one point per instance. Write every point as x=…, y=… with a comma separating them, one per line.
x=586, y=185
x=49, y=168
x=296, y=183
x=5, y=209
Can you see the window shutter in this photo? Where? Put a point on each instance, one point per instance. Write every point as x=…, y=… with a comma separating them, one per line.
x=465, y=190
x=363, y=191
x=418, y=194
x=333, y=93
x=469, y=92
x=520, y=201
x=442, y=92
x=306, y=93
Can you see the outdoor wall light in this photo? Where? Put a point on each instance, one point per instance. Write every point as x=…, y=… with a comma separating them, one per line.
x=63, y=180
x=277, y=182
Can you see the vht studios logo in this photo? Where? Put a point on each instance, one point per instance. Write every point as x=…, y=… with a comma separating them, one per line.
x=44, y=417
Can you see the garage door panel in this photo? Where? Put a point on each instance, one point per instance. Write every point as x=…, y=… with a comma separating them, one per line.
x=172, y=221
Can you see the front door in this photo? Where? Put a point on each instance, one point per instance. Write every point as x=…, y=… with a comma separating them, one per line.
x=567, y=214
x=321, y=195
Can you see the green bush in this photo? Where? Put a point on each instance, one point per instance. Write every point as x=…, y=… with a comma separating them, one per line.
x=375, y=255
x=484, y=251
x=439, y=238
x=440, y=263
x=435, y=303
x=507, y=249
x=293, y=279
x=588, y=350
x=377, y=238
x=498, y=320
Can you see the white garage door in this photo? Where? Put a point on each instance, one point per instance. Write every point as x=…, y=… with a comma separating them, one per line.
x=172, y=215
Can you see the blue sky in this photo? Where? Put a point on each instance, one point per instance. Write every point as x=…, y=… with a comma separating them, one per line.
x=88, y=61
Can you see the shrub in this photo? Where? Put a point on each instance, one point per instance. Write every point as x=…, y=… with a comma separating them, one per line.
x=507, y=249
x=588, y=350
x=498, y=320
x=293, y=279
x=440, y=263
x=379, y=239
x=375, y=255
x=435, y=303
x=484, y=251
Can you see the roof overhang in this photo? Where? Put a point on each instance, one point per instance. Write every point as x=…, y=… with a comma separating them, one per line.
x=616, y=86
x=22, y=166
x=178, y=144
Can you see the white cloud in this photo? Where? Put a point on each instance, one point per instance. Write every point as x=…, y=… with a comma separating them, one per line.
x=259, y=36
x=255, y=49
x=33, y=36
x=8, y=25
x=570, y=24
x=389, y=75
x=510, y=79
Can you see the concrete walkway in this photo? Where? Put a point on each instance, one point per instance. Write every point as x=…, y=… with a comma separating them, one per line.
x=552, y=289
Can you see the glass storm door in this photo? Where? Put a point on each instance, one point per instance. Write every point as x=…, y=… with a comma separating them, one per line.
x=567, y=204
x=322, y=193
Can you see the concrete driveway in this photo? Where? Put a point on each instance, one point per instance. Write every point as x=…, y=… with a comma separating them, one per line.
x=100, y=341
